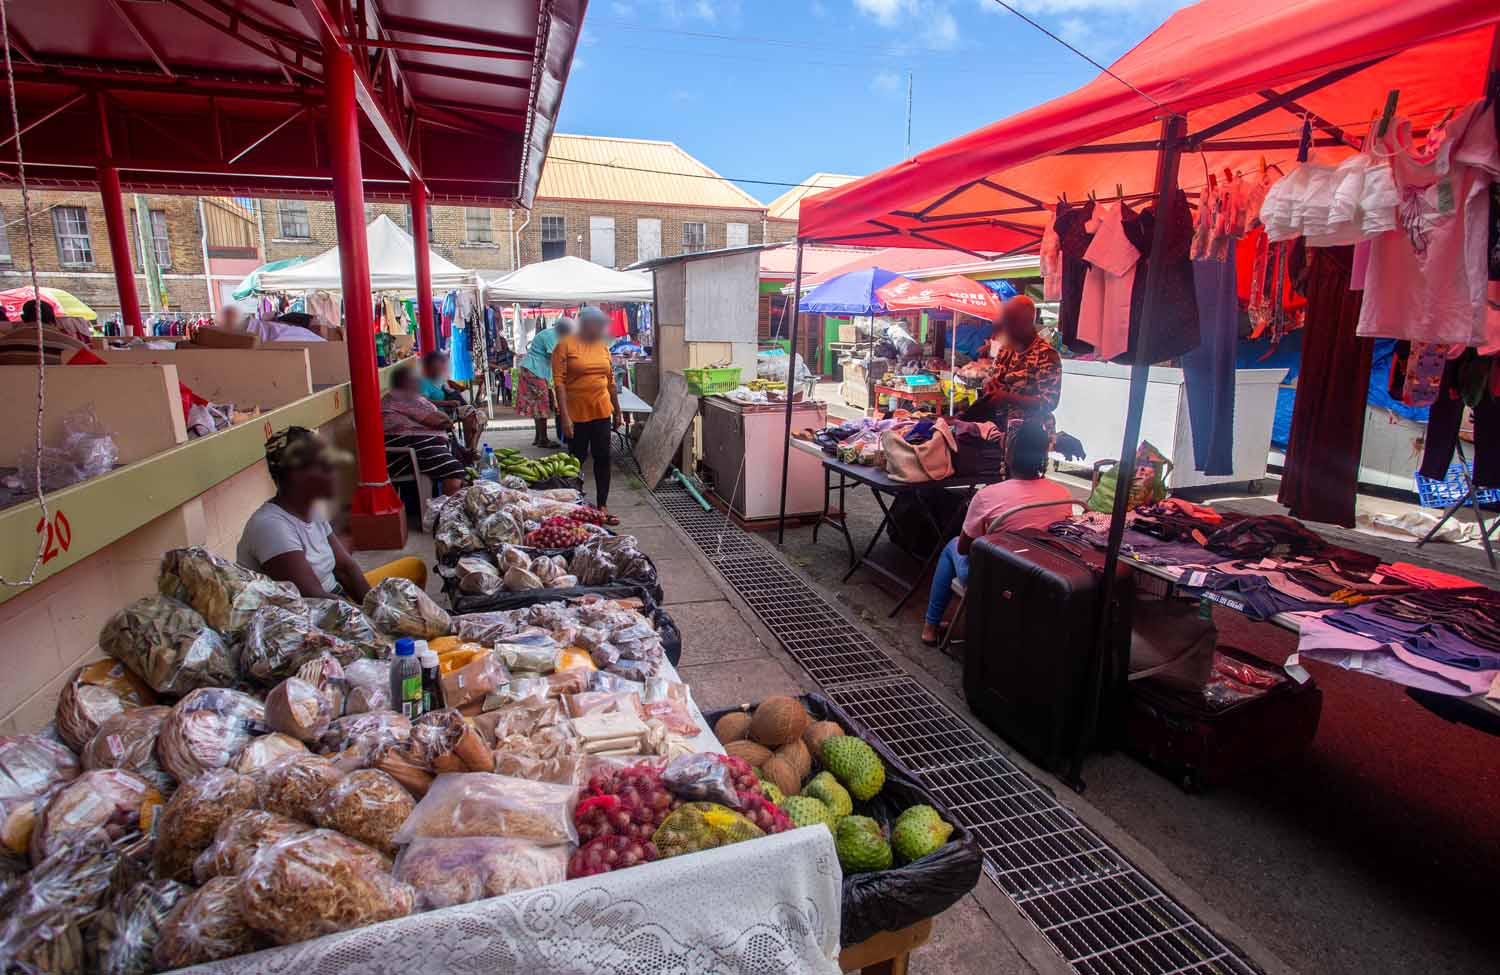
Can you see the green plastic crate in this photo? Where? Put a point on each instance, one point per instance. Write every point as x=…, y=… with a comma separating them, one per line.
x=707, y=381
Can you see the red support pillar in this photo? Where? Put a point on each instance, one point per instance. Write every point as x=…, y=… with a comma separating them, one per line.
x=426, y=329
x=119, y=248
x=378, y=519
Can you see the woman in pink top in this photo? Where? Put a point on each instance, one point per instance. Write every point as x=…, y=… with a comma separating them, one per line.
x=1026, y=459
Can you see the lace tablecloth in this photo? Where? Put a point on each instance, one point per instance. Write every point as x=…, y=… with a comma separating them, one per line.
x=769, y=905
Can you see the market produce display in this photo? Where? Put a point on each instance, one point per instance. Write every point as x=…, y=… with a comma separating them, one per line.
x=513, y=463
x=486, y=516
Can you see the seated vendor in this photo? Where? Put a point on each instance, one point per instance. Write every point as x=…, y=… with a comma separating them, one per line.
x=1025, y=381
x=289, y=538
x=446, y=395
x=1026, y=457
x=413, y=422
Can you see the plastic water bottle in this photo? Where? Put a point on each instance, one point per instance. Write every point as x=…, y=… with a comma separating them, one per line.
x=491, y=469
x=406, y=679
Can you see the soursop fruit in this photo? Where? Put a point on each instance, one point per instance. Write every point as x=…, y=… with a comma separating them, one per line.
x=860, y=844
x=826, y=789
x=919, y=831
x=854, y=763
x=807, y=811
x=773, y=795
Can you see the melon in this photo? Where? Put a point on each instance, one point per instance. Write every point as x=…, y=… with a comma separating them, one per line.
x=732, y=727
x=778, y=720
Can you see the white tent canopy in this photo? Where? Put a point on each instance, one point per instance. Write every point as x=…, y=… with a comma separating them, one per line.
x=569, y=280
x=393, y=266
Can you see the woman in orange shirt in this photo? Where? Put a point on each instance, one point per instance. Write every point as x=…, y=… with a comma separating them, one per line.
x=587, y=402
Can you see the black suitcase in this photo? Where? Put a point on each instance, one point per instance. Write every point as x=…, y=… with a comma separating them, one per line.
x=1032, y=613
x=1177, y=732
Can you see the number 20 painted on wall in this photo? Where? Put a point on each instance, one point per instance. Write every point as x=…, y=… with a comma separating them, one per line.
x=59, y=535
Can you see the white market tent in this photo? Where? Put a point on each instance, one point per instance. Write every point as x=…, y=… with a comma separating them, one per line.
x=392, y=266
x=569, y=280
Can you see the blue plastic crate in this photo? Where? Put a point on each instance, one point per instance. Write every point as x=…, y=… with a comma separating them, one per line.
x=1453, y=488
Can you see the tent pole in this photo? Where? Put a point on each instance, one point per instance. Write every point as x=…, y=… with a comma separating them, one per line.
x=426, y=334
x=791, y=379
x=378, y=518
x=1173, y=133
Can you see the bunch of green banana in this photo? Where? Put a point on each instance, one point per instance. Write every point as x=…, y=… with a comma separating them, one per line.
x=533, y=469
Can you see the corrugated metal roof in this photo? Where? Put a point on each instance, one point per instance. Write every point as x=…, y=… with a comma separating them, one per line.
x=778, y=263
x=589, y=167
x=787, y=205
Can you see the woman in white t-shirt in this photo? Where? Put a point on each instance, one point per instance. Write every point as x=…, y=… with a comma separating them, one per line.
x=289, y=538
x=1026, y=459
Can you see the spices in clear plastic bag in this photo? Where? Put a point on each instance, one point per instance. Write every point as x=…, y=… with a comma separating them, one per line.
x=447, y=872
x=348, y=622
x=239, y=838
x=472, y=682
x=205, y=926
x=484, y=804
x=477, y=576
x=549, y=755
x=33, y=765
x=187, y=824
x=225, y=593
x=670, y=703
x=365, y=734
x=112, y=801
x=538, y=655
x=207, y=729
x=368, y=806
x=42, y=930
x=701, y=777
x=277, y=640
x=128, y=932
x=292, y=786
x=320, y=883
x=264, y=750
x=451, y=743
x=369, y=683
x=93, y=694
x=169, y=645
x=296, y=708
x=399, y=608
x=128, y=741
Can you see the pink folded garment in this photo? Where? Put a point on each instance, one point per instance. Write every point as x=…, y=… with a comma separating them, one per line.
x=1426, y=578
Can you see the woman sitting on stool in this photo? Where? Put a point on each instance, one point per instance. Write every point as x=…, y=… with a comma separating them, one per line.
x=1026, y=459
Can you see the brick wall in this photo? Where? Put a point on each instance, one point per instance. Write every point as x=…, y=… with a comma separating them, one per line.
x=780, y=231
x=576, y=227
x=94, y=284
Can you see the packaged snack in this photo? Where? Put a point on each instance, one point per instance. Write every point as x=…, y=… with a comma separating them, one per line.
x=397, y=607
x=369, y=683
x=291, y=786
x=169, y=645
x=127, y=933
x=484, y=804
x=295, y=707
x=266, y=749
x=348, y=623
x=512, y=557
x=207, y=729
x=550, y=755
x=367, y=805
x=537, y=655
x=365, y=735
x=670, y=703
x=239, y=838
x=602, y=702
x=225, y=593
x=523, y=717
x=32, y=765
x=470, y=683
x=477, y=576
x=451, y=743
x=113, y=801
x=128, y=741
x=205, y=926
x=445, y=872
x=95, y=693
x=327, y=675
x=188, y=823
x=277, y=640
x=500, y=528
x=42, y=928
x=320, y=883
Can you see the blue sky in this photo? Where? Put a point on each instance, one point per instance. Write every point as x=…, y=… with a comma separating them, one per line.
x=779, y=89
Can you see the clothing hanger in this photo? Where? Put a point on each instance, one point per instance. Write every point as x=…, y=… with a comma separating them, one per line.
x=1304, y=145
x=1390, y=110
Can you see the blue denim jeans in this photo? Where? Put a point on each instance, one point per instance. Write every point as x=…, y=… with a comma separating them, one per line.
x=950, y=565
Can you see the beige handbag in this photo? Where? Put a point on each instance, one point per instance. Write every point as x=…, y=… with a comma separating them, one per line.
x=930, y=461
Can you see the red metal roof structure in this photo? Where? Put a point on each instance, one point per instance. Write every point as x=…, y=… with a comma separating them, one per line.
x=229, y=96
x=1243, y=74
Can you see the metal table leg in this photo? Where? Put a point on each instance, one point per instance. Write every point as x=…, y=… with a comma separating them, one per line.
x=1471, y=498
x=954, y=520
x=864, y=559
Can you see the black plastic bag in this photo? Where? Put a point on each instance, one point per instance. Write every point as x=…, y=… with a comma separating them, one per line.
x=889, y=900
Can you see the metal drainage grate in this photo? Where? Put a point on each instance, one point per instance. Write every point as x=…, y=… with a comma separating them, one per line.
x=1099, y=912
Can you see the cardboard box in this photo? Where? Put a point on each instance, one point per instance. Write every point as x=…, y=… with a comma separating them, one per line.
x=849, y=332
x=332, y=333
x=218, y=338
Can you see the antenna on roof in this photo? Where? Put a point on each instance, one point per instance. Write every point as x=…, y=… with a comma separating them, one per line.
x=908, y=116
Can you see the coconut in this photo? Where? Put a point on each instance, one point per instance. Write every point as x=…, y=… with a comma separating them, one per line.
x=778, y=720
x=780, y=771
x=752, y=754
x=796, y=755
x=819, y=732
x=734, y=726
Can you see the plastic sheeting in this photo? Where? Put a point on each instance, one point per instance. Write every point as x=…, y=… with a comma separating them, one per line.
x=570, y=280
x=393, y=266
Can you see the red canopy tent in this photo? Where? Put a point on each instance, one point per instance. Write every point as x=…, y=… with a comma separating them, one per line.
x=1225, y=83
x=953, y=293
x=349, y=99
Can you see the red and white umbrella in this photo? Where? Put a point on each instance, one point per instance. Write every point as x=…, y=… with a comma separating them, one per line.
x=953, y=293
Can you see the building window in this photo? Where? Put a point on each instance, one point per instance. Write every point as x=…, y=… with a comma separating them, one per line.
x=293, y=217
x=71, y=224
x=5, y=257
x=554, y=238
x=736, y=234
x=477, y=227
x=160, y=246
x=647, y=239
x=694, y=238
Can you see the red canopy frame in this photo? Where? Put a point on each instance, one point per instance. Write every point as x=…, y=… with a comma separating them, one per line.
x=1221, y=61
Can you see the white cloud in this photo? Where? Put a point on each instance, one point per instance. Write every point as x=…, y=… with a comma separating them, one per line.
x=622, y=10
x=887, y=12
x=817, y=8
x=885, y=82
x=941, y=29
x=578, y=63
x=707, y=11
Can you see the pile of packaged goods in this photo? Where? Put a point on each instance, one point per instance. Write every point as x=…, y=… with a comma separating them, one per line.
x=251, y=769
